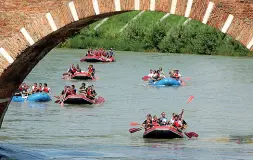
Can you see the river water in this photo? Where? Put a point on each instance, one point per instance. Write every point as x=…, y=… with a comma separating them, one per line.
x=221, y=112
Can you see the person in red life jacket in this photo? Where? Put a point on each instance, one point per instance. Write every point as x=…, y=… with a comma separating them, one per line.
x=40, y=88
x=155, y=121
x=182, y=122
x=46, y=88
x=20, y=88
x=91, y=71
x=95, y=52
x=91, y=93
x=72, y=90
x=25, y=88
x=104, y=53
x=73, y=68
x=35, y=88
x=99, y=52
x=177, y=123
x=89, y=53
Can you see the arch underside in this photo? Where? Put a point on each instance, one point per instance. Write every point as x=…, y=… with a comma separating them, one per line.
x=20, y=51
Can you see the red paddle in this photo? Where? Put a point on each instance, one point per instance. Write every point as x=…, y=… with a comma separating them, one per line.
x=133, y=130
x=190, y=134
x=134, y=124
x=145, y=78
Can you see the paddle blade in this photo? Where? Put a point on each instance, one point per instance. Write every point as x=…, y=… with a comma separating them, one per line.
x=134, y=124
x=99, y=100
x=145, y=78
x=191, y=134
x=95, y=78
x=133, y=130
x=57, y=101
x=187, y=78
x=190, y=99
x=58, y=97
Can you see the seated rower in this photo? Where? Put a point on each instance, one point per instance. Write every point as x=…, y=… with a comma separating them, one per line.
x=155, y=121
x=40, y=87
x=163, y=120
x=110, y=53
x=95, y=52
x=35, y=88
x=73, y=89
x=150, y=73
x=91, y=71
x=173, y=118
x=91, y=93
x=46, y=89
x=177, y=123
x=162, y=75
x=71, y=70
x=104, y=54
x=83, y=89
x=89, y=53
x=175, y=74
x=147, y=124
x=159, y=75
x=155, y=76
x=184, y=124
x=78, y=68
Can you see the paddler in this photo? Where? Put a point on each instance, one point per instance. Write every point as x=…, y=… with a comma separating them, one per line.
x=78, y=68
x=147, y=124
x=46, y=88
x=162, y=75
x=83, y=89
x=163, y=120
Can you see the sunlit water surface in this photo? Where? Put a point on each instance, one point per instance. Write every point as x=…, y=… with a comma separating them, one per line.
x=221, y=112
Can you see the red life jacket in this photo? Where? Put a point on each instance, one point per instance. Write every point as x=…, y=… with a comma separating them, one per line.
x=90, y=70
x=72, y=92
x=89, y=92
x=45, y=89
x=74, y=69
x=155, y=123
x=69, y=92
x=99, y=53
x=20, y=88
x=176, y=124
x=104, y=54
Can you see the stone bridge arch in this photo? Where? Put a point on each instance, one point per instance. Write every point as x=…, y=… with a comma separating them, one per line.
x=29, y=29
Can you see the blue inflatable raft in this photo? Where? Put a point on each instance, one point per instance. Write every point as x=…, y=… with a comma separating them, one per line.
x=36, y=97
x=166, y=82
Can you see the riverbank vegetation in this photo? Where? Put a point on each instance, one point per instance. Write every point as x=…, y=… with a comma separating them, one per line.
x=148, y=33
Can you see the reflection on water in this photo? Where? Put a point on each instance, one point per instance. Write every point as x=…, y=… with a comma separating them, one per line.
x=49, y=131
x=242, y=139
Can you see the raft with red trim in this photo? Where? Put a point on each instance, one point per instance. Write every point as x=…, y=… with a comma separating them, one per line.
x=80, y=75
x=97, y=59
x=165, y=132
x=82, y=99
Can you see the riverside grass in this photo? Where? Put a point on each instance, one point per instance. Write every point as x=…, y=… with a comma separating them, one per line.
x=148, y=34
